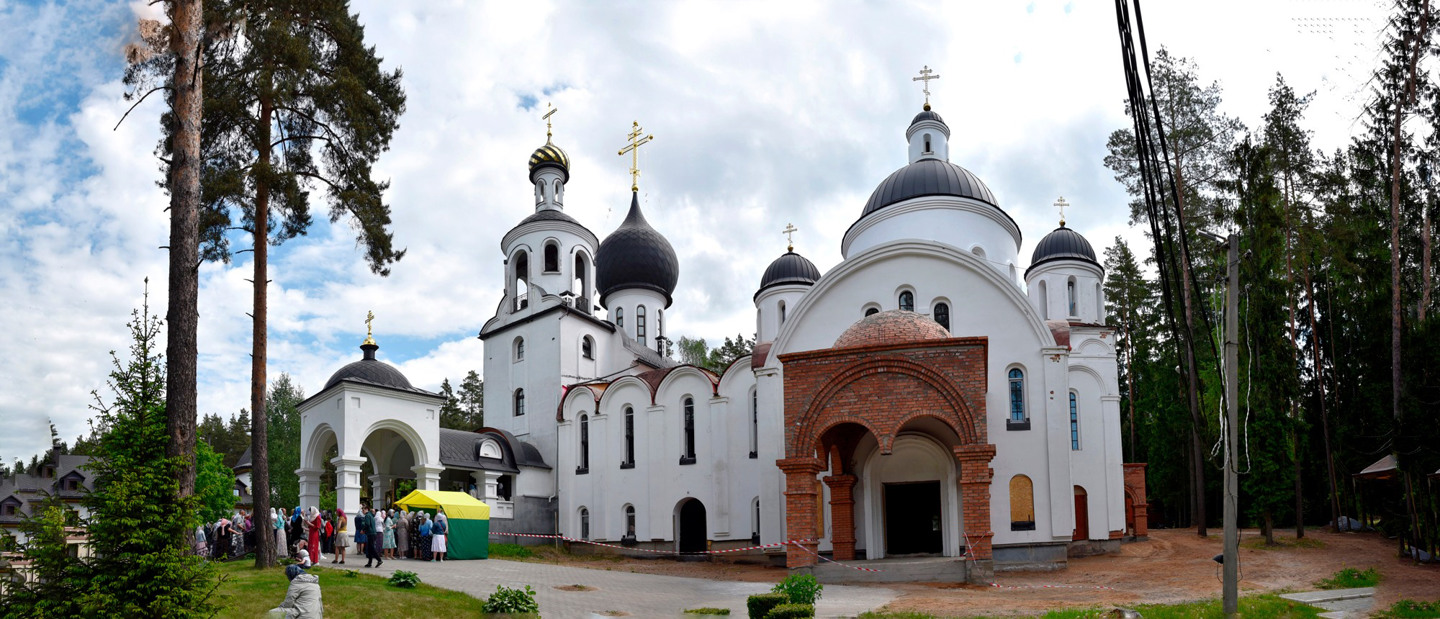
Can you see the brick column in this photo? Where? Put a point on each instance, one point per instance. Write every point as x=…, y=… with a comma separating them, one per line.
x=800, y=507
x=974, y=481
x=842, y=516
x=1135, y=486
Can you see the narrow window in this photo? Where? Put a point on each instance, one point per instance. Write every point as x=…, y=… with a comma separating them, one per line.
x=872, y=311
x=755, y=520
x=522, y=276
x=630, y=521
x=587, y=347
x=519, y=349
x=688, y=457
x=584, y=523
x=660, y=323
x=629, y=439
x=754, y=424
x=539, y=191
x=782, y=312
x=907, y=301
x=1022, y=504
x=582, y=278
x=1070, y=295
x=640, y=324
x=1099, y=304
x=1017, y=396
x=559, y=191
x=942, y=315
x=1074, y=425
x=1044, y=302
x=519, y=402
x=620, y=317
x=552, y=258
x=927, y=143
x=584, y=446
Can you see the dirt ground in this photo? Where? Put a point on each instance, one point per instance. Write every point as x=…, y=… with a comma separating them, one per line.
x=1172, y=566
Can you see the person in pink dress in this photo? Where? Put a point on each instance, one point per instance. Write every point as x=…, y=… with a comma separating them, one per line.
x=316, y=526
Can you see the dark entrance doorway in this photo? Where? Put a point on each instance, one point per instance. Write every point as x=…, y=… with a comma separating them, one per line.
x=912, y=518
x=1082, y=515
x=692, y=526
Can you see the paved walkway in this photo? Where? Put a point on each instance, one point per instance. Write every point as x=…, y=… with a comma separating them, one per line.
x=1338, y=603
x=639, y=595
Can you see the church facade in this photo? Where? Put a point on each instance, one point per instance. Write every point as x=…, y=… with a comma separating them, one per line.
x=920, y=397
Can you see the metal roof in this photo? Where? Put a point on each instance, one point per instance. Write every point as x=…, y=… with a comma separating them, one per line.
x=635, y=255
x=928, y=177
x=789, y=268
x=1062, y=244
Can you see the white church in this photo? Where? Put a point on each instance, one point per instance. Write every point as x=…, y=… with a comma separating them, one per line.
x=922, y=397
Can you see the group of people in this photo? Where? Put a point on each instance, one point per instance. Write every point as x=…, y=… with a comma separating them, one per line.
x=390, y=533
x=308, y=535
x=226, y=538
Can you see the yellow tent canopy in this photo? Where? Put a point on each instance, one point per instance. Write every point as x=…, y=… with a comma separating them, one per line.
x=456, y=504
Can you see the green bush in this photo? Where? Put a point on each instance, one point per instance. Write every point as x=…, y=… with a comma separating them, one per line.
x=759, y=605
x=1351, y=578
x=800, y=589
x=507, y=600
x=404, y=579
x=791, y=611
x=1405, y=609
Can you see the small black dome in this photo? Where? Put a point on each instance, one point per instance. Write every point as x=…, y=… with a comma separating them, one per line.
x=636, y=256
x=789, y=268
x=928, y=115
x=550, y=155
x=370, y=371
x=1062, y=244
x=928, y=177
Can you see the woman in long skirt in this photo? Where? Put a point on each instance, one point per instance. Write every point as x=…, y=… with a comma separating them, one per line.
x=200, y=546
x=425, y=554
x=390, y=522
x=277, y=523
x=402, y=534
x=316, y=525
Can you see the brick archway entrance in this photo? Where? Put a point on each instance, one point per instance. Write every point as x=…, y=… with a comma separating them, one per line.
x=835, y=398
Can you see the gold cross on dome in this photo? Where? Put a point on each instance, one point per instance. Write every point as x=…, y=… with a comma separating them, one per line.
x=925, y=76
x=546, y=118
x=369, y=332
x=1060, y=203
x=789, y=233
x=634, y=149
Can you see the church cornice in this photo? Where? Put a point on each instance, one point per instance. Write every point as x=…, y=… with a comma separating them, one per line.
x=548, y=225
x=925, y=203
x=491, y=329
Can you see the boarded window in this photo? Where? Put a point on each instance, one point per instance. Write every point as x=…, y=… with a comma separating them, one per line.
x=1022, y=504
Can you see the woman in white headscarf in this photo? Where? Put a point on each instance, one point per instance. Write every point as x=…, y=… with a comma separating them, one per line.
x=313, y=526
x=277, y=524
x=402, y=534
x=390, y=522
x=437, y=534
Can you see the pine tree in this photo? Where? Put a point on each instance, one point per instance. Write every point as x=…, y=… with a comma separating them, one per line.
x=1129, y=300
x=282, y=421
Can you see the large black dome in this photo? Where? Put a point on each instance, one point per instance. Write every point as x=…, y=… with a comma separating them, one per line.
x=789, y=268
x=371, y=371
x=1062, y=244
x=636, y=256
x=928, y=177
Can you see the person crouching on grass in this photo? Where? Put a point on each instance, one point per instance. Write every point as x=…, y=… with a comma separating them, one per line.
x=302, y=599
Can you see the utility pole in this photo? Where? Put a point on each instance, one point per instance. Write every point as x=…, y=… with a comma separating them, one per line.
x=1232, y=429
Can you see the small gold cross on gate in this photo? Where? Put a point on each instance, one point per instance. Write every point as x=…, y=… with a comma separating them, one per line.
x=789, y=233
x=634, y=149
x=925, y=76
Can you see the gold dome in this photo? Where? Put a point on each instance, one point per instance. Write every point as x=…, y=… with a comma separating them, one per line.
x=550, y=155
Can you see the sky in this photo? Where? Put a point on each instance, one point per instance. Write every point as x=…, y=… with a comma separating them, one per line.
x=764, y=114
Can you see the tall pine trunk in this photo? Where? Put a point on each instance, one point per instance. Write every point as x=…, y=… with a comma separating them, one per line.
x=1192, y=374
x=182, y=313
x=1295, y=410
x=259, y=449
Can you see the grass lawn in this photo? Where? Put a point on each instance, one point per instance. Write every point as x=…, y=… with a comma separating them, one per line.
x=248, y=592
x=1254, y=606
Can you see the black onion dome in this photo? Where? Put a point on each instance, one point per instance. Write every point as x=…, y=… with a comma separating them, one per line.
x=928, y=114
x=636, y=256
x=928, y=177
x=1062, y=244
x=371, y=371
x=550, y=155
x=790, y=268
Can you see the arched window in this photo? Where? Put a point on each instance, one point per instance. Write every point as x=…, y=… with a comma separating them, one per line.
x=927, y=143
x=755, y=424
x=582, y=277
x=587, y=347
x=1070, y=296
x=659, y=323
x=584, y=523
x=521, y=276
x=871, y=311
x=539, y=191
x=1044, y=301
x=1022, y=504
x=519, y=402
x=620, y=317
x=640, y=324
x=688, y=455
x=907, y=301
x=559, y=191
x=519, y=349
x=942, y=315
x=782, y=312
x=979, y=252
x=552, y=257
x=584, y=466
x=1074, y=425
x=630, y=521
x=755, y=520
x=629, y=461
x=1017, y=400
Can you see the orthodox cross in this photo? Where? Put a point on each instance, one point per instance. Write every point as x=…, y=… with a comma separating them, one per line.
x=1060, y=203
x=546, y=118
x=369, y=332
x=634, y=149
x=925, y=76
x=789, y=233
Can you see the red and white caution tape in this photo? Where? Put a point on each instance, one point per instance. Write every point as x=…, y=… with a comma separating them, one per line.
x=1093, y=587
x=634, y=549
x=822, y=558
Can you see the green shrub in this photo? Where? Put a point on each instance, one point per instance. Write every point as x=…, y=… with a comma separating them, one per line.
x=1405, y=609
x=791, y=611
x=707, y=611
x=404, y=579
x=759, y=605
x=510, y=551
x=1350, y=578
x=351, y=574
x=507, y=600
x=800, y=589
